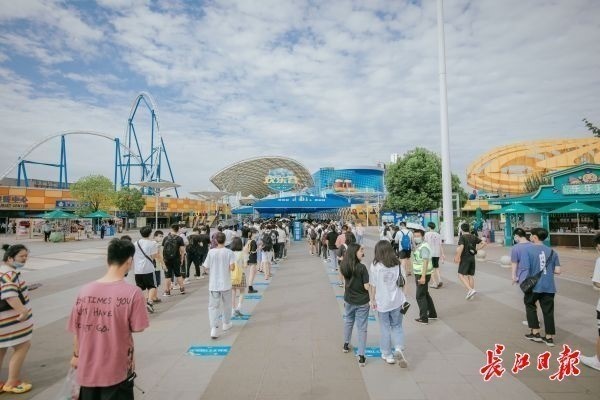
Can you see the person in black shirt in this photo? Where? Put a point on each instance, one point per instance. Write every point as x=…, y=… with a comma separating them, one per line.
x=252, y=248
x=331, y=239
x=356, y=298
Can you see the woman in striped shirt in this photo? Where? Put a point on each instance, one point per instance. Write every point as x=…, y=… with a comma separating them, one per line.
x=16, y=325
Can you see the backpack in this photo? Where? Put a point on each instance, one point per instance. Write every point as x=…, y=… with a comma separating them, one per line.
x=405, y=241
x=313, y=234
x=267, y=242
x=469, y=247
x=194, y=246
x=171, y=248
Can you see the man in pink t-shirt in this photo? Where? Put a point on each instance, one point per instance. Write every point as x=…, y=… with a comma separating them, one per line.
x=105, y=314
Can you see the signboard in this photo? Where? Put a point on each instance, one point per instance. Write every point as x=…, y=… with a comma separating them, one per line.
x=13, y=202
x=592, y=188
x=69, y=204
x=281, y=180
x=588, y=183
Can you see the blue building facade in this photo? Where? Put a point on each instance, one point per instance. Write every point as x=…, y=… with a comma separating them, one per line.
x=351, y=182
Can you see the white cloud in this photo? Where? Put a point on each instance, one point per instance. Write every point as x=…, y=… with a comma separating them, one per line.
x=330, y=83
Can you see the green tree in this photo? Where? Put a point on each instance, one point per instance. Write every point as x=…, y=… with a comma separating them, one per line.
x=534, y=181
x=592, y=128
x=414, y=182
x=93, y=192
x=130, y=201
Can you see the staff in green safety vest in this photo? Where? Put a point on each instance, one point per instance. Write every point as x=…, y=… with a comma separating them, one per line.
x=422, y=268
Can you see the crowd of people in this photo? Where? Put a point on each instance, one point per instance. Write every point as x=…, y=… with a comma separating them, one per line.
x=108, y=310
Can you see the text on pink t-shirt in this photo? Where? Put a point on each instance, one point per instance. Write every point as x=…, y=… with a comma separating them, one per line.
x=103, y=318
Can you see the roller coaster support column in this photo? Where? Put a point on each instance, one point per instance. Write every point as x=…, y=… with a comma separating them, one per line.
x=62, y=165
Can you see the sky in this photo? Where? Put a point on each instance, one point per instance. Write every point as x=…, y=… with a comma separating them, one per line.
x=328, y=83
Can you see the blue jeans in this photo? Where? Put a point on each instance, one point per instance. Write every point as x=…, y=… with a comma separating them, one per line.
x=390, y=327
x=360, y=315
x=333, y=260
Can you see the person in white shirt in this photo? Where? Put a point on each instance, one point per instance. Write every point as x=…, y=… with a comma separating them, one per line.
x=229, y=235
x=359, y=233
x=594, y=360
x=220, y=261
x=146, y=251
x=434, y=240
x=389, y=301
x=281, y=240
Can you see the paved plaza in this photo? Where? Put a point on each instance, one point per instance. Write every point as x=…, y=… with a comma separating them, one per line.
x=290, y=347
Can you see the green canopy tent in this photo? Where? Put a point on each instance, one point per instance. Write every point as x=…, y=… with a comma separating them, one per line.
x=517, y=208
x=577, y=208
x=513, y=209
x=98, y=214
x=57, y=214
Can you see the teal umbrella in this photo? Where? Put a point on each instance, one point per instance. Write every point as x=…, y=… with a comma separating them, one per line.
x=577, y=208
x=517, y=208
x=98, y=214
x=58, y=214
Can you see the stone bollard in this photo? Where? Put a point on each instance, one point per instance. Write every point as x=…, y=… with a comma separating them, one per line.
x=480, y=256
x=505, y=261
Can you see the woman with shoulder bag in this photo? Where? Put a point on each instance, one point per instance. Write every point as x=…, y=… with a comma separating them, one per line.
x=15, y=312
x=356, y=298
x=238, y=282
x=387, y=283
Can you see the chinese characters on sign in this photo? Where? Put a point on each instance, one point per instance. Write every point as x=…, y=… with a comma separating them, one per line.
x=567, y=363
x=13, y=202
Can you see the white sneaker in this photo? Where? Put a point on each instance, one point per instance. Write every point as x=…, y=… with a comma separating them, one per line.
x=591, y=362
x=470, y=294
x=389, y=359
x=227, y=327
x=200, y=277
x=214, y=333
x=401, y=359
x=186, y=281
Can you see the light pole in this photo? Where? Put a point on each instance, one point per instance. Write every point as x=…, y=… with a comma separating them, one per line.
x=157, y=186
x=448, y=234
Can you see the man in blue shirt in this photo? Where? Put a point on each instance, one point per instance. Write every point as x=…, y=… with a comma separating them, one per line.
x=540, y=258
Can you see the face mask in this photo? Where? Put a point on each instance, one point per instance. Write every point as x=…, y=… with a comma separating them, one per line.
x=418, y=240
x=18, y=265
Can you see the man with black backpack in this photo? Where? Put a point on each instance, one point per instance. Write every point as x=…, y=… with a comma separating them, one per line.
x=312, y=239
x=468, y=245
x=173, y=254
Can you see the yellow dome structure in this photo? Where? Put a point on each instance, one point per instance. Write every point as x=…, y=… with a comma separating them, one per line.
x=504, y=169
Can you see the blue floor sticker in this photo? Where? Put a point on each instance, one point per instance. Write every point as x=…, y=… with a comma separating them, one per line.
x=253, y=297
x=332, y=273
x=370, y=352
x=244, y=317
x=261, y=284
x=208, y=351
x=370, y=319
x=339, y=297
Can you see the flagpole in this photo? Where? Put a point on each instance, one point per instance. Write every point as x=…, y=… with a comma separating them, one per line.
x=447, y=206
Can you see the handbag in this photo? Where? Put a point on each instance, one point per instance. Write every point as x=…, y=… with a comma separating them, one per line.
x=529, y=283
x=146, y=255
x=400, y=282
x=4, y=306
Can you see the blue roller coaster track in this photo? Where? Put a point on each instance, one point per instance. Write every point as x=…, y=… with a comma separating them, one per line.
x=129, y=157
